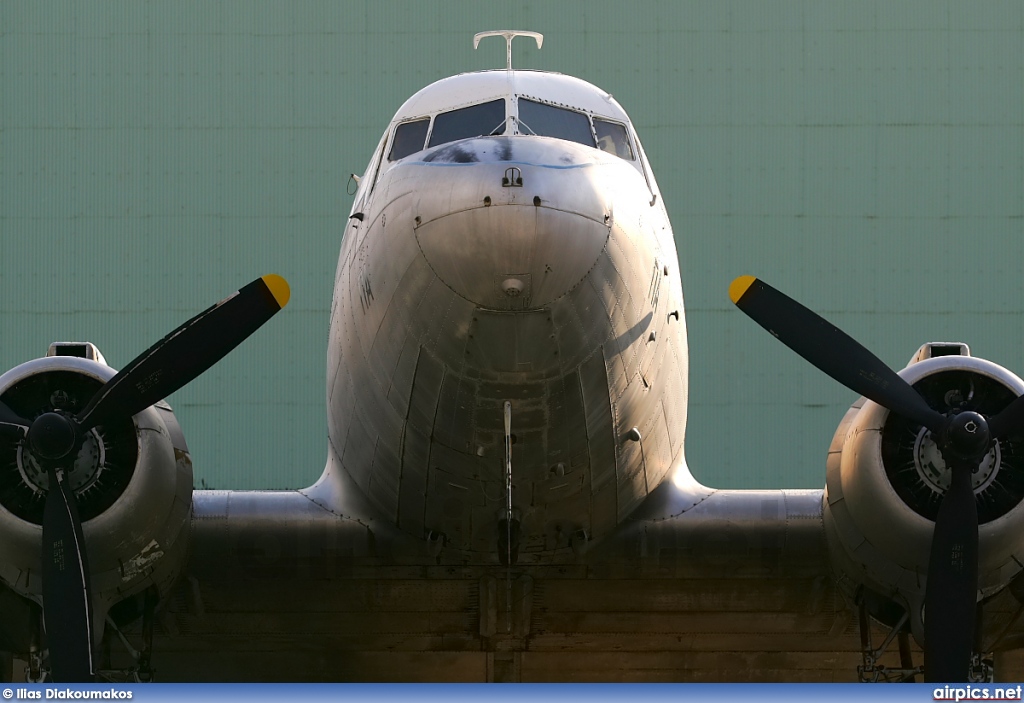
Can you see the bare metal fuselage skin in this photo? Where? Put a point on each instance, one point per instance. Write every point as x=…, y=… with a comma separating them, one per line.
x=428, y=342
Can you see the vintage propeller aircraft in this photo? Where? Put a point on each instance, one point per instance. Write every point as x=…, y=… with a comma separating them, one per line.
x=506, y=496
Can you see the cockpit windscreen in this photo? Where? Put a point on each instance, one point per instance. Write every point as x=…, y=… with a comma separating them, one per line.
x=409, y=138
x=550, y=121
x=473, y=121
x=612, y=137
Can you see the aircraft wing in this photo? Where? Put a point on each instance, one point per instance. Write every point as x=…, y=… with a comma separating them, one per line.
x=734, y=588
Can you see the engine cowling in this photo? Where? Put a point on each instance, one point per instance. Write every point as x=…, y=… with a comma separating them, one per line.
x=885, y=480
x=132, y=480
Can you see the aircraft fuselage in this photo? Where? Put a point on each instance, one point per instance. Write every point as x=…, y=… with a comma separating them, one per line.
x=516, y=268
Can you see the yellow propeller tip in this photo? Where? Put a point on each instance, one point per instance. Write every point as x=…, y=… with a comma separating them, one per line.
x=738, y=287
x=278, y=287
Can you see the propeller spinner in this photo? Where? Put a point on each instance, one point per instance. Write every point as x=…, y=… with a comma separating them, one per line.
x=55, y=437
x=963, y=439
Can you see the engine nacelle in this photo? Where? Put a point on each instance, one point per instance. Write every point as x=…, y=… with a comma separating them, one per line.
x=132, y=481
x=886, y=478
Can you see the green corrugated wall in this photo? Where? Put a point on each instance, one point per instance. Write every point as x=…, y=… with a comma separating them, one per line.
x=866, y=157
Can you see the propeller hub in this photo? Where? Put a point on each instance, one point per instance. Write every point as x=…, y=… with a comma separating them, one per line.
x=52, y=436
x=84, y=467
x=968, y=435
x=935, y=473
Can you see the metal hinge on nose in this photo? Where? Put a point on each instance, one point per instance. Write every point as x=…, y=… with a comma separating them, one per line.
x=513, y=178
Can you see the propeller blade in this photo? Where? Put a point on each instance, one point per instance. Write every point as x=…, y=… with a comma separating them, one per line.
x=831, y=350
x=187, y=352
x=950, y=593
x=951, y=589
x=165, y=367
x=67, y=598
x=1009, y=420
x=11, y=422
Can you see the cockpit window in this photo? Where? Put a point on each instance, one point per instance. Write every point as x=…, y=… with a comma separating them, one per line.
x=473, y=121
x=550, y=121
x=612, y=137
x=409, y=138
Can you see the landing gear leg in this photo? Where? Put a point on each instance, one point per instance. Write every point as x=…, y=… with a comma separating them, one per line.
x=35, y=673
x=906, y=656
x=6, y=667
x=145, y=670
x=873, y=672
x=142, y=672
x=982, y=668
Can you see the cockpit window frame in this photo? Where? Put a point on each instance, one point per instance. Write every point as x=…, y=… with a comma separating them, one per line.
x=627, y=132
x=429, y=119
x=433, y=119
x=591, y=116
x=386, y=159
x=511, y=126
x=585, y=114
x=550, y=103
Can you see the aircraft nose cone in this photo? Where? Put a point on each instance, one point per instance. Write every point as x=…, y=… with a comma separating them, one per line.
x=517, y=247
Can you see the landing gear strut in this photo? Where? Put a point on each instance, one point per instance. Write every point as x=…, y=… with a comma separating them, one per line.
x=142, y=672
x=873, y=672
x=35, y=672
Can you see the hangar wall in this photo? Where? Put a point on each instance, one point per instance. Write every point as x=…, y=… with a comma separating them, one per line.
x=866, y=157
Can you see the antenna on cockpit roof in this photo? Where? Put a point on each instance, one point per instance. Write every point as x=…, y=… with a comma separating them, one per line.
x=509, y=34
